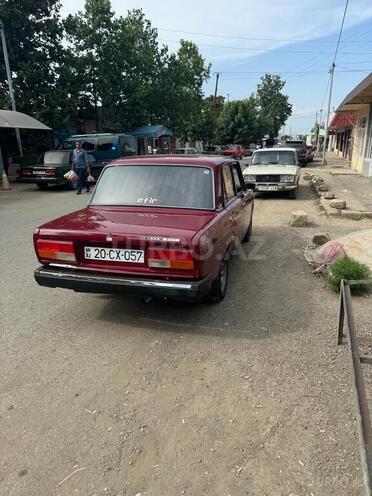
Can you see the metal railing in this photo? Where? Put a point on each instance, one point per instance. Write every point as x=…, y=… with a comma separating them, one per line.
x=346, y=323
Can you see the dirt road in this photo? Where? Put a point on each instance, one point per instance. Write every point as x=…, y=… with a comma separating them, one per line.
x=248, y=397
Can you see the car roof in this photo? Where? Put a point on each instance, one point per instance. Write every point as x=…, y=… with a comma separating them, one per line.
x=276, y=149
x=194, y=160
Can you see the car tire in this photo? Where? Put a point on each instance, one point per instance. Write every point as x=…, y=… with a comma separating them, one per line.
x=42, y=186
x=219, y=285
x=248, y=234
x=292, y=194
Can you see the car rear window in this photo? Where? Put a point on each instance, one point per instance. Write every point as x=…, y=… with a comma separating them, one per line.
x=55, y=158
x=156, y=186
x=295, y=144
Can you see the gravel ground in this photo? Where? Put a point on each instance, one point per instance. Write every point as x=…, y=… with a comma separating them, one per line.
x=248, y=397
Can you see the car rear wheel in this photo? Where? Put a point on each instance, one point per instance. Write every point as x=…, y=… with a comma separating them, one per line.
x=42, y=185
x=219, y=285
x=248, y=234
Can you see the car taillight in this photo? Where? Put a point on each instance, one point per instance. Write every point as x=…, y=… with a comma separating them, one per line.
x=50, y=172
x=56, y=250
x=26, y=172
x=170, y=259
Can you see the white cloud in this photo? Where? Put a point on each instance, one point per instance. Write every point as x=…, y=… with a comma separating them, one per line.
x=244, y=18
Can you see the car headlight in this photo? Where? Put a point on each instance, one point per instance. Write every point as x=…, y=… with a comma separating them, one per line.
x=249, y=178
x=287, y=179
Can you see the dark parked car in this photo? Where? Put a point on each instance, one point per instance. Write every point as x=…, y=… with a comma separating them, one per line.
x=51, y=168
x=310, y=153
x=155, y=226
x=300, y=147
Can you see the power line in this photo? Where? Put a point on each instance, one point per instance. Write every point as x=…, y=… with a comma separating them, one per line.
x=340, y=34
x=331, y=73
x=261, y=49
x=251, y=38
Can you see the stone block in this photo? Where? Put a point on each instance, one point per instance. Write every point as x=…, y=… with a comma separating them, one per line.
x=339, y=204
x=298, y=219
x=329, y=195
x=332, y=212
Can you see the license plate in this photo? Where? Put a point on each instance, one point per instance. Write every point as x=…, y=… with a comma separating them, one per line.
x=114, y=254
x=267, y=188
x=39, y=173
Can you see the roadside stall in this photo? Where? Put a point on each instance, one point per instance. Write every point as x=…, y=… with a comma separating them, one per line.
x=11, y=120
x=152, y=139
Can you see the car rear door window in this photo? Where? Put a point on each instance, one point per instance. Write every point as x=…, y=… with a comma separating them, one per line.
x=238, y=179
x=228, y=182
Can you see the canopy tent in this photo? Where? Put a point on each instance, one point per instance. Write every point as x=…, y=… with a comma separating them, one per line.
x=13, y=120
x=9, y=119
x=152, y=132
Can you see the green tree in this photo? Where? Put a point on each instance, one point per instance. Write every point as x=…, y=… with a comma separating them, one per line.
x=34, y=39
x=273, y=105
x=180, y=89
x=238, y=122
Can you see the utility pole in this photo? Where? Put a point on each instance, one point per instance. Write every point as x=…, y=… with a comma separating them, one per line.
x=320, y=124
x=228, y=97
x=331, y=71
x=216, y=89
x=10, y=83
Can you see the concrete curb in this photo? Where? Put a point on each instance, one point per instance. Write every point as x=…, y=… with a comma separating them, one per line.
x=320, y=189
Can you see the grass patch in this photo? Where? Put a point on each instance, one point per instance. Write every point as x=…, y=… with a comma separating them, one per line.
x=349, y=269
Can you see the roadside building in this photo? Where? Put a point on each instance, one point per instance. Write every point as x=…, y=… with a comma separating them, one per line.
x=341, y=133
x=351, y=128
x=152, y=139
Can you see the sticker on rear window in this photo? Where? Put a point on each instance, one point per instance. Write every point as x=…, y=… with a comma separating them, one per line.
x=206, y=171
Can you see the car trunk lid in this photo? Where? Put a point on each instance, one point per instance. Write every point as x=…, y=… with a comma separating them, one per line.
x=127, y=228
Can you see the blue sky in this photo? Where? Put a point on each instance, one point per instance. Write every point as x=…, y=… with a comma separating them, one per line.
x=244, y=39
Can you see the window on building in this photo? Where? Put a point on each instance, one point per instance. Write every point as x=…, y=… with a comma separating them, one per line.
x=361, y=135
x=369, y=142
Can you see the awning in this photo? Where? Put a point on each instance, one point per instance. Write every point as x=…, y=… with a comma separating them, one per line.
x=360, y=95
x=344, y=119
x=150, y=132
x=12, y=120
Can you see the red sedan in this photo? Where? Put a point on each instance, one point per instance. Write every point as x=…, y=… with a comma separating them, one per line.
x=234, y=151
x=161, y=226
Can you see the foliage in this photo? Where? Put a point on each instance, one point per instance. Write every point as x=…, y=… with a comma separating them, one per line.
x=238, y=122
x=348, y=268
x=95, y=66
x=126, y=71
x=274, y=107
x=34, y=40
x=263, y=113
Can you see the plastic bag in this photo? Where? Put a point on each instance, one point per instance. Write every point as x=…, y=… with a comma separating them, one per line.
x=323, y=256
x=71, y=176
x=90, y=179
